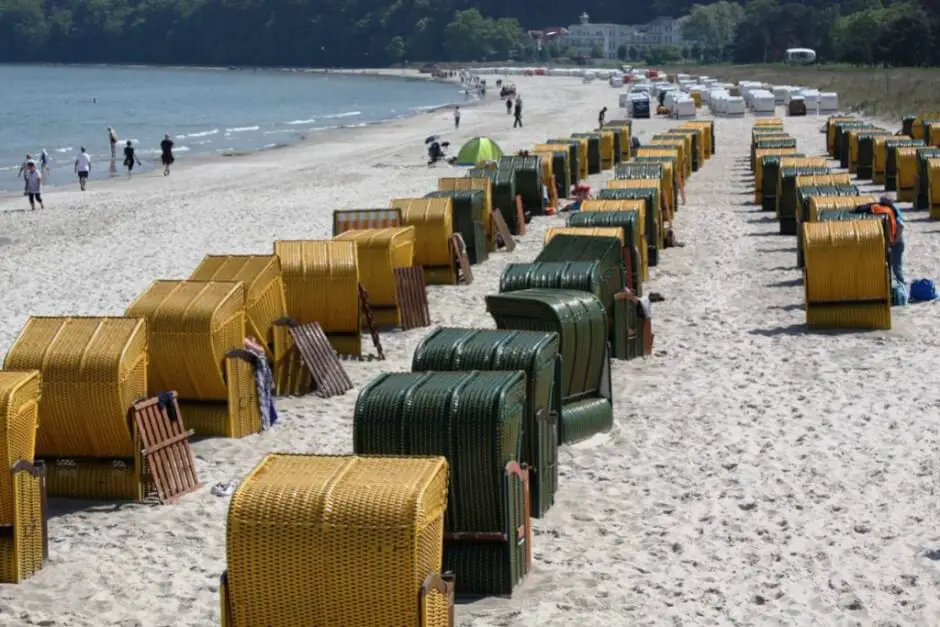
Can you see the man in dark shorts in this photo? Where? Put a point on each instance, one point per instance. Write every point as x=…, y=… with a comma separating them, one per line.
x=83, y=167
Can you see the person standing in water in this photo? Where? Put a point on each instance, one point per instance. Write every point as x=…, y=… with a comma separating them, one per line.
x=112, y=137
x=166, y=154
x=82, y=167
x=130, y=158
x=44, y=162
x=33, y=185
x=457, y=117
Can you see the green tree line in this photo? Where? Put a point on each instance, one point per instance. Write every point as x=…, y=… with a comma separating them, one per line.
x=361, y=33
x=863, y=32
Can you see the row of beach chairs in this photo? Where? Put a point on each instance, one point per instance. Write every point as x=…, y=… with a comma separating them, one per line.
x=843, y=253
x=451, y=461
x=469, y=439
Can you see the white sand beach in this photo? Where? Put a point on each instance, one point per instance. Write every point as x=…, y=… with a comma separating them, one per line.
x=757, y=473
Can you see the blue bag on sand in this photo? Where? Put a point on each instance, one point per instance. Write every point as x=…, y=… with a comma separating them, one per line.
x=923, y=290
x=898, y=294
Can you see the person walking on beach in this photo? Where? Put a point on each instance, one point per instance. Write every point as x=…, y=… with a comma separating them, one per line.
x=82, y=167
x=518, y=121
x=508, y=106
x=112, y=137
x=44, y=162
x=24, y=172
x=33, y=185
x=457, y=117
x=166, y=154
x=600, y=117
x=130, y=158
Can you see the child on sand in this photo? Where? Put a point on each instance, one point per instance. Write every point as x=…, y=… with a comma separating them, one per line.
x=166, y=154
x=33, y=185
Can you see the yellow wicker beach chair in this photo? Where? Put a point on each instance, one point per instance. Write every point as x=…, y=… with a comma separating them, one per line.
x=93, y=369
x=381, y=252
x=434, y=224
x=321, y=280
x=607, y=148
x=846, y=279
x=23, y=539
x=266, y=303
x=337, y=542
x=196, y=333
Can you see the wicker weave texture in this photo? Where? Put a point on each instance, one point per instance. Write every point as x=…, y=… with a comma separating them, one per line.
x=846, y=275
x=381, y=251
x=265, y=302
x=93, y=369
x=19, y=419
x=823, y=179
x=23, y=551
x=599, y=231
x=933, y=188
x=190, y=327
x=321, y=280
x=304, y=529
x=434, y=224
x=828, y=203
x=455, y=184
x=683, y=145
x=707, y=129
x=450, y=349
x=580, y=320
x=607, y=148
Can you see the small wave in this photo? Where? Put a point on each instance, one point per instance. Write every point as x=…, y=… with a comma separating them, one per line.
x=348, y=114
x=199, y=134
x=282, y=131
x=66, y=149
x=298, y=122
x=431, y=107
x=242, y=129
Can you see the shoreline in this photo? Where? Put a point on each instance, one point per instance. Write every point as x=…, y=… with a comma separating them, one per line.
x=152, y=167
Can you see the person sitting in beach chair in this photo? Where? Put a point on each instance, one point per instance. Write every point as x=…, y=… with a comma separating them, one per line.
x=582, y=192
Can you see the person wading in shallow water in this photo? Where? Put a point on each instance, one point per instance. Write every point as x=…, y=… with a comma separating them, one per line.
x=166, y=154
x=130, y=158
x=112, y=137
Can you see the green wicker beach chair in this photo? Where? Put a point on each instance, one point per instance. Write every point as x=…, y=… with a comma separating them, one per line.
x=468, y=220
x=574, y=169
x=594, y=151
x=626, y=220
x=787, y=199
x=533, y=352
x=580, y=320
x=528, y=171
x=504, y=197
x=655, y=230
x=474, y=419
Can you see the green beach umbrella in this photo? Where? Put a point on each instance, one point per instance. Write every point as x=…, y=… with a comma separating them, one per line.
x=478, y=150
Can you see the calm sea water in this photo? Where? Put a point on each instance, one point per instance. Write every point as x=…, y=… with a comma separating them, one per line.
x=204, y=111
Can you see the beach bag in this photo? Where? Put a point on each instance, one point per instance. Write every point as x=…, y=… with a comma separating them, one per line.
x=923, y=290
x=898, y=294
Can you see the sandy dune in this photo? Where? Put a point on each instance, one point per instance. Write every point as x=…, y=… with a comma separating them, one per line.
x=757, y=474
